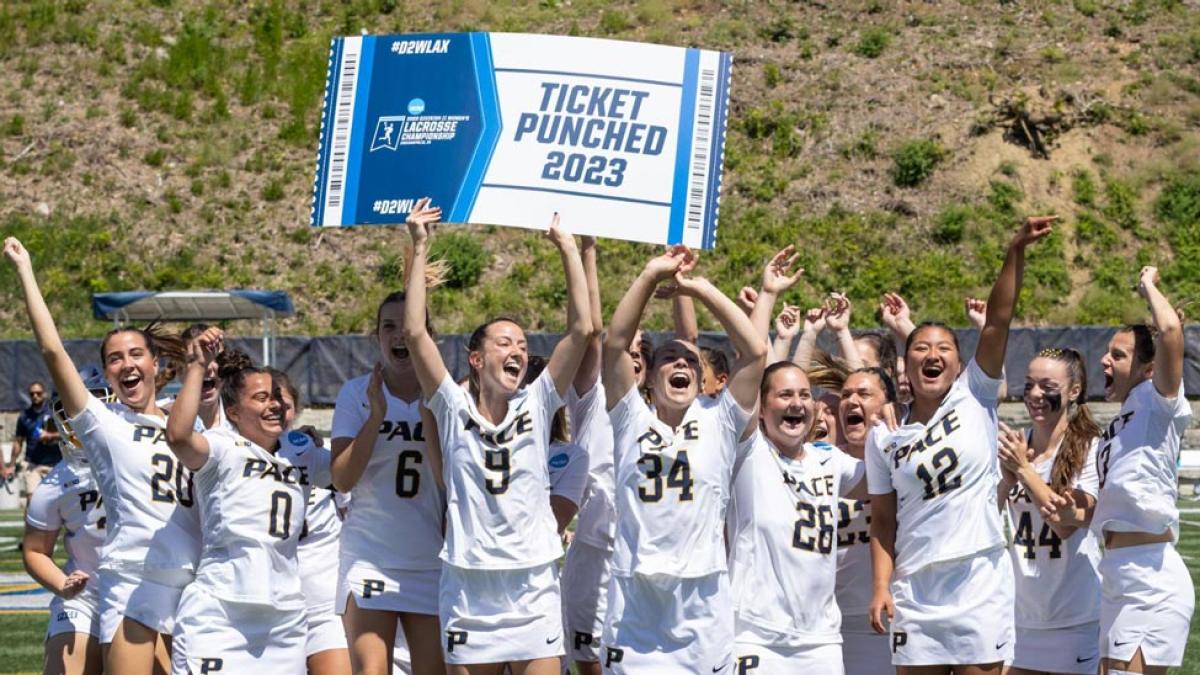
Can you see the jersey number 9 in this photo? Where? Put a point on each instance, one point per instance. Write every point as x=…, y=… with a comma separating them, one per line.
x=499, y=461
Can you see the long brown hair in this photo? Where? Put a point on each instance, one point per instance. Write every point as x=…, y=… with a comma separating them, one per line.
x=167, y=348
x=1082, y=428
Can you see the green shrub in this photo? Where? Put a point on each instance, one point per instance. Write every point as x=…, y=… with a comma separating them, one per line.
x=273, y=190
x=1083, y=188
x=872, y=41
x=465, y=256
x=950, y=224
x=915, y=160
x=155, y=157
x=613, y=22
x=772, y=75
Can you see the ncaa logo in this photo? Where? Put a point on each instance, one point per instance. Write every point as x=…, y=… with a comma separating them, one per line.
x=560, y=460
x=416, y=106
x=297, y=438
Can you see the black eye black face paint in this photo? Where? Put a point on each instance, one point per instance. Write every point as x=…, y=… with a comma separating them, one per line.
x=1054, y=399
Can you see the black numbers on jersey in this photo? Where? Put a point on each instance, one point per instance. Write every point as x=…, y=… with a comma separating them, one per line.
x=679, y=477
x=1102, y=462
x=408, y=474
x=1047, y=538
x=281, y=515
x=818, y=518
x=847, y=511
x=944, y=461
x=171, y=481
x=499, y=461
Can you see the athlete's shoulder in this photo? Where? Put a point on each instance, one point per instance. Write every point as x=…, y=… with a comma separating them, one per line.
x=355, y=385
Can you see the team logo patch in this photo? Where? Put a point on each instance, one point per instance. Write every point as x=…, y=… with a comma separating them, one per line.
x=585, y=639
x=747, y=663
x=454, y=638
x=613, y=655
x=899, y=639
x=560, y=460
x=372, y=587
x=211, y=665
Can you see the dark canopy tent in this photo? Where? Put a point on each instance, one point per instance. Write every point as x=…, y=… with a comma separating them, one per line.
x=193, y=306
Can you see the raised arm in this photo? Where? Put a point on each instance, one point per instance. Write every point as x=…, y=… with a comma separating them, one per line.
x=349, y=456
x=589, y=367
x=778, y=277
x=837, y=320
x=896, y=315
x=188, y=445
x=426, y=358
x=749, y=346
x=617, y=363
x=683, y=312
x=1168, y=352
x=1002, y=303
x=814, y=323
x=564, y=362
x=71, y=389
x=787, y=327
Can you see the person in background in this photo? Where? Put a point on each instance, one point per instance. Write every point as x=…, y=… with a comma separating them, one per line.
x=37, y=439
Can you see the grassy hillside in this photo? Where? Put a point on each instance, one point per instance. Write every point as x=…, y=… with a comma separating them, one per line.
x=170, y=144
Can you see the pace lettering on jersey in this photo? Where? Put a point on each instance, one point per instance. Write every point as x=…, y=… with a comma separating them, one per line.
x=389, y=430
x=1103, y=457
x=817, y=486
x=144, y=431
x=519, y=426
x=934, y=434
x=289, y=475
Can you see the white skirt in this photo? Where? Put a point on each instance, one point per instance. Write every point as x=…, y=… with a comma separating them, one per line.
x=666, y=625
x=585, y=578
x=500, y=616
x=80, y=614
x=215, y=636
x=955, y=612
x=1075, y=649
x=149, y=597
x=389, y=590
x=756, y=659
x=1146, y=602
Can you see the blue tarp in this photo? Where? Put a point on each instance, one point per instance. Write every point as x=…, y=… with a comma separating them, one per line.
x=192, y=305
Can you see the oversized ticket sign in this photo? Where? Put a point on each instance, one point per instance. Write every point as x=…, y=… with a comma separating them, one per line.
x=624, y=139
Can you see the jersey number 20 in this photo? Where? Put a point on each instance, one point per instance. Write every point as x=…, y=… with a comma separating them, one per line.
x=168, y=484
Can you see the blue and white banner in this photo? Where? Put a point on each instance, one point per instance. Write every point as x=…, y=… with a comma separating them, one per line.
x=624, y=139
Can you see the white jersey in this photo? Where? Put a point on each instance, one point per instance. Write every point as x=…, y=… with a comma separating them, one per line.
x=783, y=523
x=1057, y=582
x=673, y=485
x=252, y=508
x=68, y=498
x=945, y=475
x=1138, y=463
x=148, y=498
x=592, y=429
x=397, y=493
x=497, y=478
x=318, y=546
x=855, y=580
x=568, y=466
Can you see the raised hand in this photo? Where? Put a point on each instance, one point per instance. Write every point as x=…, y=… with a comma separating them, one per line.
x=814, y=320
x=422, y=217
x=664, y=266
x=787, y=324
x=1033, y=229
x=1060, y=510
x=746, y=299
x=15, y=251
x=778, y=276
x=976, y=311
x=1147, y=279
x=203, y=349
x=895, y=312
x=561, y=239
x=837, y=312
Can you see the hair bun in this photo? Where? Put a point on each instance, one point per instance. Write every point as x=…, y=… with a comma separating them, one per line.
x=232, y=361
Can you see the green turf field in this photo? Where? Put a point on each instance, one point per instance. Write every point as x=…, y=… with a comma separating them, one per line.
x=21, y=634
